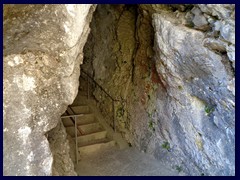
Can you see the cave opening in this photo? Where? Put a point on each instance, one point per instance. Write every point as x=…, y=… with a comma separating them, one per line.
x=149, y=89
x=118, y=62
x=127, y=86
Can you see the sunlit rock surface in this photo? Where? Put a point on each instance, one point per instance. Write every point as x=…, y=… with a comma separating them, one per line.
x=42, y=52
x=176, y=100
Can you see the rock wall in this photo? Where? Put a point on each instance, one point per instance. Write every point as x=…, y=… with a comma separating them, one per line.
x=59, y=145
x=176, y=100
x=43, y=47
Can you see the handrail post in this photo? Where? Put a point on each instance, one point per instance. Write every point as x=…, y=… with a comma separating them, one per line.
x=88, y=87
x=114, y=124
x=76, y=140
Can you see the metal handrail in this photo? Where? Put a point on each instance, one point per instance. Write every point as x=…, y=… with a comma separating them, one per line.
x=89, y=76
x=75, y=127
x=74, y=116
x=113, y=100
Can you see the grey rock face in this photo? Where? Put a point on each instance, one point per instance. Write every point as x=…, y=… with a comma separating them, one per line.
x=178, y=101
x=200, y=122
x=227, y=31
x=215, y=44
x=224, y=24
x=222, y=11
x=231, y=54
x=42, y=53
x=199, y=20
x=59, y=145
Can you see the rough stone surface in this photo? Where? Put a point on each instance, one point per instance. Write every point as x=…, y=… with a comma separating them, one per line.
x=223, y=22
x=194, y=87
x=42, y=51
x=177, y=101
x=126, y=162
x=199, y=20
x=59, y=145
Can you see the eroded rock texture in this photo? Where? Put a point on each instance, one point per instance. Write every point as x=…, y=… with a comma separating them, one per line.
x=59, y=145
x=177, y=101
x=42, y=51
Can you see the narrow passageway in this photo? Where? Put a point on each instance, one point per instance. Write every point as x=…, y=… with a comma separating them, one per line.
x=103, y=152
x=125, y=162
x=90, y=132
x=148, y=91
x=119, y=89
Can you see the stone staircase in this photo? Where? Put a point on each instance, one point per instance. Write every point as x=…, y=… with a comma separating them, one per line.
x=92, y=135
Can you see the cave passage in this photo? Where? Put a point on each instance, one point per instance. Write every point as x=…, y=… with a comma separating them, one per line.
x=146, y=89
x=115, y=56
x=131, y=85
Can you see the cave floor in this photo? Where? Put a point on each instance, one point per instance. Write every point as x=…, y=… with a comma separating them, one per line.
x=125, y=162
x=115, y=161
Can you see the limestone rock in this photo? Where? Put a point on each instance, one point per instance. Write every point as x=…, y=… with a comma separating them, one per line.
x=178, y=102
x=231, y=54
x=215, y=44
x=217, y=25
x=222, y=11
x=225, y=22
x=59, y=145
x=197, y=123
x=227, y=31
x=199, y=20
x=42, y=52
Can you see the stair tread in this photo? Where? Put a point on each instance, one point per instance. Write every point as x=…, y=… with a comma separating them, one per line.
x=89, y=134
x=67, y=122
x=87, y=124
x=97, y=141
x=95, y=122
x=85, y=134
x=91, y=128
x=79, y=125
x=91, y=137
x=96, y=136
x=81, y=109
x=84, y=119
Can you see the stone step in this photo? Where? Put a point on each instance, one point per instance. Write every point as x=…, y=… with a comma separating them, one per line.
x=86, y=129
x=71, y=131
x=81, y=120
x=86, y=119
x=67, y=122
x=96, y=141
x=95, y=146
x=84, y=109
x=85, y=139
x=91, y=128
x=68, y=112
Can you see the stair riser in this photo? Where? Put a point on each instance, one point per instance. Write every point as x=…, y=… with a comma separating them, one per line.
x=85, y=119
x=67, y=122
x=95, y=147
x=81, y=109
x=71, y=131
x=91, y=137
x=86, y=129
x=81, y=120
x=90, y=128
